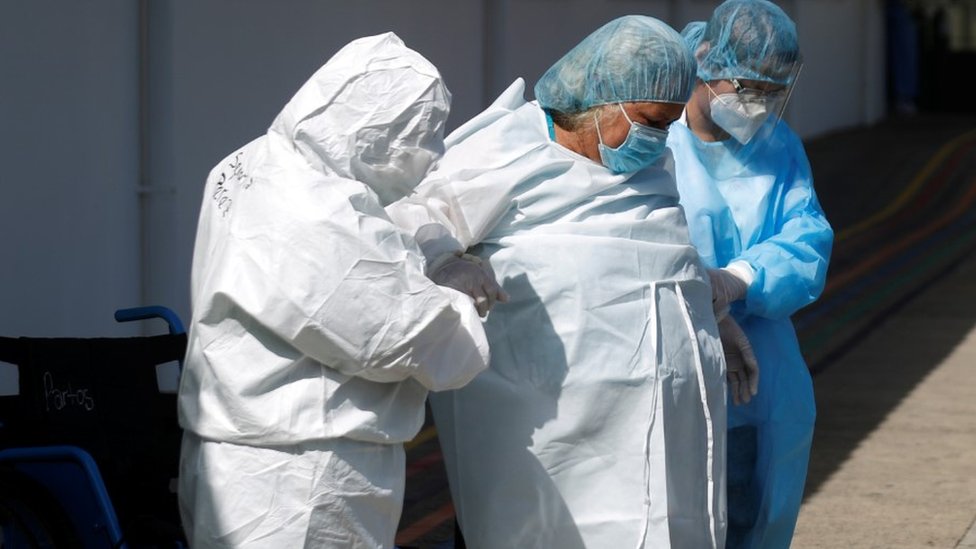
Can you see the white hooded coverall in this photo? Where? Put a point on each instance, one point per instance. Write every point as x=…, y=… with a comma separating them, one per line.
x=315, y=334
x=600, y=422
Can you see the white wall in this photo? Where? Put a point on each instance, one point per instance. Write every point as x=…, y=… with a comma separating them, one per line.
x=842, y=82
x=69, y=157
x=220, y=70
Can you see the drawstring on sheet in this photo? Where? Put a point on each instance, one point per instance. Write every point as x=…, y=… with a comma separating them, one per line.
x=653, y=416
x=653, y=413
x=708, y=416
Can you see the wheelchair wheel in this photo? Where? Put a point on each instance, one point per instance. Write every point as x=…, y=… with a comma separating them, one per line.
x=30, y=517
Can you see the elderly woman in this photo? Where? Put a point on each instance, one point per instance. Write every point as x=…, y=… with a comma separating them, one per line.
x=601, y=419
x=747, y=188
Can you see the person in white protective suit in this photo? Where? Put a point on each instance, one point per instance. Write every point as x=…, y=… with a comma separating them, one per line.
x=747, y=189
x=600, y=422
x=316, y=334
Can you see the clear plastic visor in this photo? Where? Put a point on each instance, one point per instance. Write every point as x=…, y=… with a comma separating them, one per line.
x=752, y=97
x=771, y=95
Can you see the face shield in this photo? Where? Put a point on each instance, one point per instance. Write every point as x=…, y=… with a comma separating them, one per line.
x=385, y=130
x=375, y=113
x=749, y=110
x=393, y=160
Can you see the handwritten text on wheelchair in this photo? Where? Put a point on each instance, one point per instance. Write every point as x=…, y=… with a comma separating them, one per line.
x=60, y=398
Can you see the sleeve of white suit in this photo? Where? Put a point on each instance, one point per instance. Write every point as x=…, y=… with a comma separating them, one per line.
x=449, y=213
x=335, y=279
x=456, y=206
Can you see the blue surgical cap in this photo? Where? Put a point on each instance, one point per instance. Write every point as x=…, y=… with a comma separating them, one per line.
x=632, y=58
x=747, y=39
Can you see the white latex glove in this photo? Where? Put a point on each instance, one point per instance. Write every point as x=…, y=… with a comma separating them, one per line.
x=742, y=368
x=470, y=275
x=727, y=286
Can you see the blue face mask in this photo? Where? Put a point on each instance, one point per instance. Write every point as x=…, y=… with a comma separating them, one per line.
x=644, y=146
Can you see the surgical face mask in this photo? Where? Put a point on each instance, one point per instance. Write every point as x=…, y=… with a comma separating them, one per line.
x=643, y=146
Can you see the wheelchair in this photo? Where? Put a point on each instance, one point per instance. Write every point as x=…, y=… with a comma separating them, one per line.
x=89, y=444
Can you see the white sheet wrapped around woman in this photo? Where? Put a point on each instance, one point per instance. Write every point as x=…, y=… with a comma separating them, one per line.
x=601, y=419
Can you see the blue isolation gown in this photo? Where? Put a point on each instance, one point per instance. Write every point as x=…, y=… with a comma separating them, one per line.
x=756, y=204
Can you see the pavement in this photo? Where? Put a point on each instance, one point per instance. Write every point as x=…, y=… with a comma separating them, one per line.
x=893, y=463
x=891, y=345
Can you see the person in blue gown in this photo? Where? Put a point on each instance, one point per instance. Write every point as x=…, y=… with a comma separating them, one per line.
x=747, y=189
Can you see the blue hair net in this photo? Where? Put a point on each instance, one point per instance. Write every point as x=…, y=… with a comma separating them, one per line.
x=632, y=58
x=747, y=39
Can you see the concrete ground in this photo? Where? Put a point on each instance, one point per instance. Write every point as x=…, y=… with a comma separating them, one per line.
x=893, y=463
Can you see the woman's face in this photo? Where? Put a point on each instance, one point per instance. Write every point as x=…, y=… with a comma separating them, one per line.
x=614, y=126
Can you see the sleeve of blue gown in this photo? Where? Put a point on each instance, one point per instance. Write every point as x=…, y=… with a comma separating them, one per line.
x=790, y=263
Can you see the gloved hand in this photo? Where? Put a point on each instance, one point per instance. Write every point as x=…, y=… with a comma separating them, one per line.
x=471, y=275
x=742, y=368
x=726, y=288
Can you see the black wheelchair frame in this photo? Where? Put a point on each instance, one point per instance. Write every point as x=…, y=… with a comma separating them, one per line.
x=89, y=445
